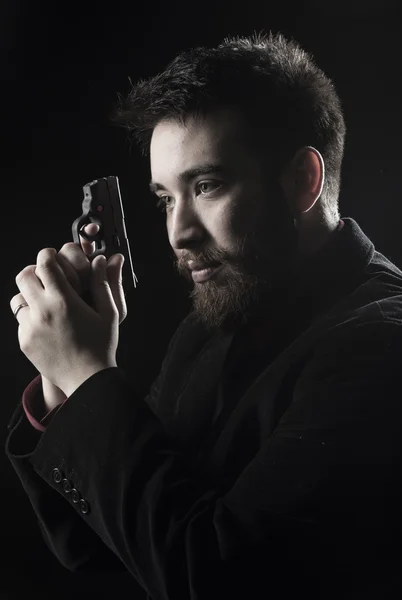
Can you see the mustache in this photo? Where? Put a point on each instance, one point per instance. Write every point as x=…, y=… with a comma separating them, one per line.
x=213, y=257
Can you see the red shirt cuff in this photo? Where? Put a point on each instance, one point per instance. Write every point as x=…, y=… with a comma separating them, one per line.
x=33, y=405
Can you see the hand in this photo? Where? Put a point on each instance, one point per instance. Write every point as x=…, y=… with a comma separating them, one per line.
x=77, y=267
x=65, y=339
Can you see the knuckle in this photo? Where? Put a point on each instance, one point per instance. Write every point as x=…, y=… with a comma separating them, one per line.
x=74, y=255
x=24, y=343
x=73, y=252
x=68, y=247
x=14, y=301
x=25, y=337
x=25, y=271
x=45, y=257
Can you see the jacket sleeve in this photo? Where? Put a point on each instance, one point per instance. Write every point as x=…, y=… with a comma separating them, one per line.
x=318, y=504
x=69, y=538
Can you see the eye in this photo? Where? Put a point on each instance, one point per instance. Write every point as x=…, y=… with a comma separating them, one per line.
x=207, y=185
x=203, y=187
x=162, y=202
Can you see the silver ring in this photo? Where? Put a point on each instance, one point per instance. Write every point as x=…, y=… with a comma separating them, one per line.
x=18, y=308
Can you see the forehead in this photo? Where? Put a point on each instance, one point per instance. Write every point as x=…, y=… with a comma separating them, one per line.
x=217, y=137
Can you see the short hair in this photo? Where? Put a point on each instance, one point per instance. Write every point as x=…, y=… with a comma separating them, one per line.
x=285, y=98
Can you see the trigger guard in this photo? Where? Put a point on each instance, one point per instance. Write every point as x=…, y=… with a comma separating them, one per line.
x=96, y=253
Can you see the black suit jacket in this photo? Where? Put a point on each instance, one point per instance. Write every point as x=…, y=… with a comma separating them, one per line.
x=239, y=477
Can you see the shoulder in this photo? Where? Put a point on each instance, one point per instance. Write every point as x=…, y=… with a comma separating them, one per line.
x=358, y=352
x=365, y=328
x=383, y=288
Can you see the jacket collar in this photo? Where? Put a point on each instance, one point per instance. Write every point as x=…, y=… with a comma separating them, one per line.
x=332, y=272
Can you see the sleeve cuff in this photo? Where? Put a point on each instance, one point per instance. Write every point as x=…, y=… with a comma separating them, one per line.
x=33, y=405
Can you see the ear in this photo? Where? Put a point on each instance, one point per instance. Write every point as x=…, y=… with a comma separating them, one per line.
x=302, y=180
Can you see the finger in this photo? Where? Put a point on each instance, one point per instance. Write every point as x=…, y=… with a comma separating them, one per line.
x=70, y=272
x=101, y=290
x=114, y=275
x=29, y=285
x=16, y=301
x=89, y=247
x=75, y=264
x=50, y=273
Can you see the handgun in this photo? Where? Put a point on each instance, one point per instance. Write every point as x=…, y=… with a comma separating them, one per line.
x=103, y=206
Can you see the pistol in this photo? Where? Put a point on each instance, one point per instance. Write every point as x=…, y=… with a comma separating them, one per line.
x=102, y=205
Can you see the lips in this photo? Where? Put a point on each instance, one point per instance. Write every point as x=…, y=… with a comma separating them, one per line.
x=201, y=275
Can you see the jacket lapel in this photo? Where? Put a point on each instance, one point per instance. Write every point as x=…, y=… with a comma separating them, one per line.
x=258, y=411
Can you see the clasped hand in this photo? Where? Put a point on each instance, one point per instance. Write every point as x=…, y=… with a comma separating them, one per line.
x=63, y=337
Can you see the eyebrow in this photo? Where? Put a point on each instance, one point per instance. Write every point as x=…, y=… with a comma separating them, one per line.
x=190, y=174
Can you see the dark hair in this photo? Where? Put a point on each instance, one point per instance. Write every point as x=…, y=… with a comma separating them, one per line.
x=286, y=100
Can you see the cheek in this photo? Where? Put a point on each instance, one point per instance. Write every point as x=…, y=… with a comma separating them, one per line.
x=231, y=224
x=219, y=218
x=235, y=234
x=245, y=219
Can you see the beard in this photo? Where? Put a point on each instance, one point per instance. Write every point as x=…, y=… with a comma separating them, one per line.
x=251, y=277
x=226, y=303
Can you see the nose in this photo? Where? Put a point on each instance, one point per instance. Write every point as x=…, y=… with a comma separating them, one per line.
x=185, y=228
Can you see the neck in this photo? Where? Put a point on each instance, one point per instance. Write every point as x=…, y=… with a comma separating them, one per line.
x=313, y=237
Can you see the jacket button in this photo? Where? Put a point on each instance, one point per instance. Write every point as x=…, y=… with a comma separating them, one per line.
x=75, y=496
x=84, y=506
x=57, y=476
x=67, y=487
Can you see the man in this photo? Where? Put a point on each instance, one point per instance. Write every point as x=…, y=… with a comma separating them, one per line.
x=267, y=456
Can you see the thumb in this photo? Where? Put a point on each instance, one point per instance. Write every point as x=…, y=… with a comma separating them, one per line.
x=102, y=297
x=114, y=275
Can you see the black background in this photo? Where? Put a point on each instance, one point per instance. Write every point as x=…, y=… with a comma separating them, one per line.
x=61, y=68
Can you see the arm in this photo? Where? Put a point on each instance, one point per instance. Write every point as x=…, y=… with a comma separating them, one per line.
x=318, y=501
x=70, y=539
x=66, y=535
